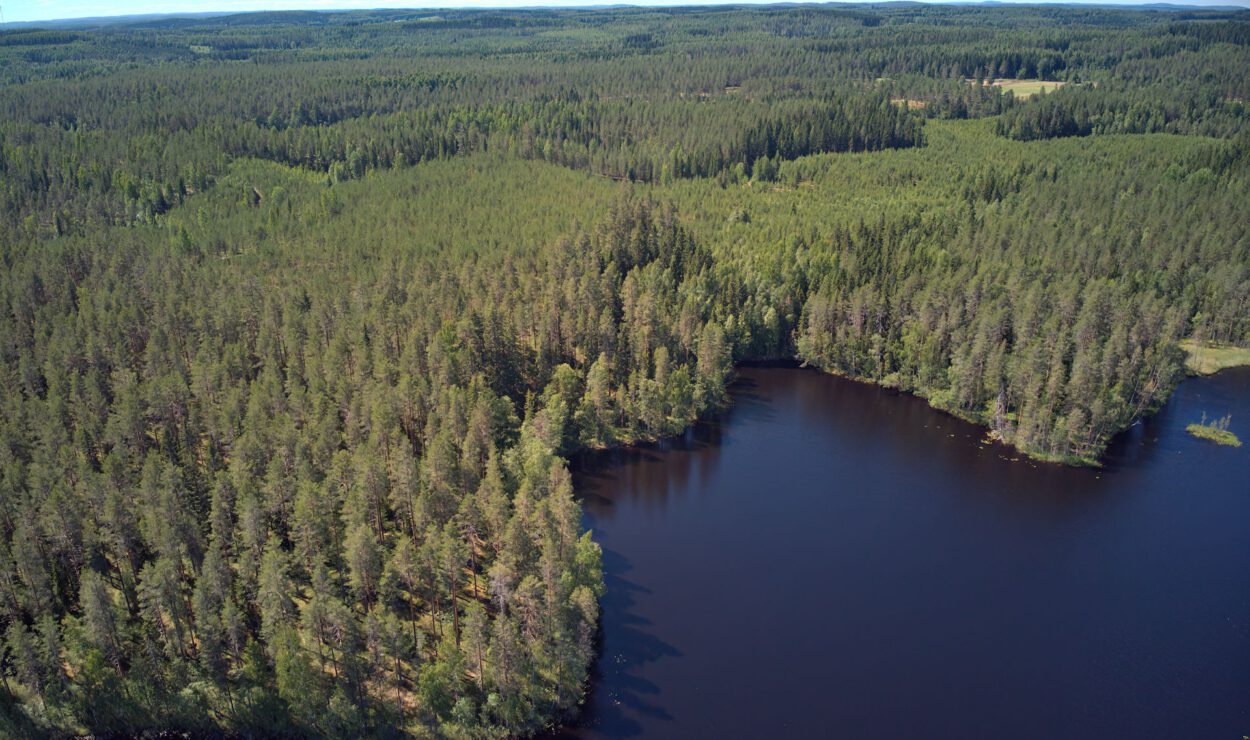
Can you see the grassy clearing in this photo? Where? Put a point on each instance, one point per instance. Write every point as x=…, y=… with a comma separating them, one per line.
x=1027, y=88
x=909, y=103
x=1205, y=358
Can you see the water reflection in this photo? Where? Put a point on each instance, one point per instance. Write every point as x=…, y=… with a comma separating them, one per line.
x=634, y=645
x=651, y=472
x=827, y=558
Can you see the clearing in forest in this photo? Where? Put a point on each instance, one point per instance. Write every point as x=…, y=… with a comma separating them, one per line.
x=1204, y=358
x=1027, y=88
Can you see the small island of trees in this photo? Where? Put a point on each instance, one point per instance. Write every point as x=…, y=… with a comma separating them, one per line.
x=1215, y=431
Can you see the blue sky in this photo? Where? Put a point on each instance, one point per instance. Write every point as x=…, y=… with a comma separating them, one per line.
x=37, y=10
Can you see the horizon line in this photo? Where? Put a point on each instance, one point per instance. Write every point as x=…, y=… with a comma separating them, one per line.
x=143, y=10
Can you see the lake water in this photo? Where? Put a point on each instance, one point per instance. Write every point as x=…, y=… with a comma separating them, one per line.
x=830, y=559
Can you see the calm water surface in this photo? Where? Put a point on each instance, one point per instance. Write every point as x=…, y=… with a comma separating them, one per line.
x=835, y=560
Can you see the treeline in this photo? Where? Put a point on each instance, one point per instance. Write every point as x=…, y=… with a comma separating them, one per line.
x=1049, y=308
x=1083, y=111
x=67, y=177
x=624, y=140
x=1190, y=80
x=324, y=509
x=947, y=98
x=117, y=124
x=1054, y=365
x=812, y=45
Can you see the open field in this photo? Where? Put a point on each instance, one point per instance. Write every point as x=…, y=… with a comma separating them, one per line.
x=909, y=103
x=1027, y=88
x=1202, y=358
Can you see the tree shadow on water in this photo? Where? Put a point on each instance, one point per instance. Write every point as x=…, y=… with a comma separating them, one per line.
x=618, y=690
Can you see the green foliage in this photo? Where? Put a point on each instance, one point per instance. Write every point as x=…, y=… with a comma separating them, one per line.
x=1215, y=431
x=305, y=312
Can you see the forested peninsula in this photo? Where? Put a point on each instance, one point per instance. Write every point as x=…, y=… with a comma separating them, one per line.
x=304, y=313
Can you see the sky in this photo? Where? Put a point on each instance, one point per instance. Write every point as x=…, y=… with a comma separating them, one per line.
x=14, y=11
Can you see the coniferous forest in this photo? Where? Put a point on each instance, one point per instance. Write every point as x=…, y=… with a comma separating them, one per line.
x=303, y=314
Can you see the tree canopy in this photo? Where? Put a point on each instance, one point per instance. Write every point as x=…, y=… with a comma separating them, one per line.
x=304, y=314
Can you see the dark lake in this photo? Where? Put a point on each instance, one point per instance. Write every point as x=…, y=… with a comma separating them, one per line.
x=830, y=559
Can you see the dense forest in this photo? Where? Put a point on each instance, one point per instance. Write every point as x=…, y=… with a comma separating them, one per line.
x=304, y=314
